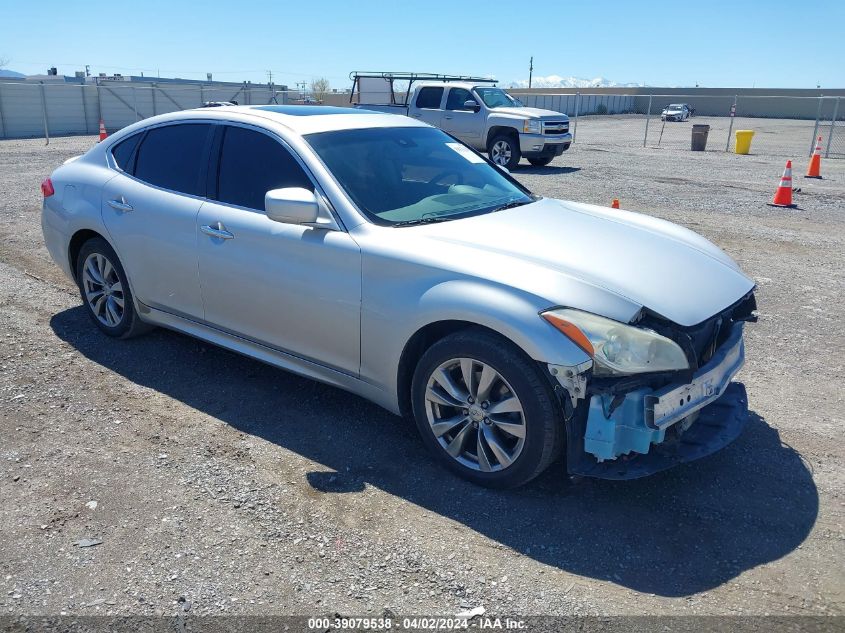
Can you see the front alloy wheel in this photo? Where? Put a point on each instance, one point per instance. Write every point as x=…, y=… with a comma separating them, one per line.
x=504, y=151
x=485, y=410
x=475, y=414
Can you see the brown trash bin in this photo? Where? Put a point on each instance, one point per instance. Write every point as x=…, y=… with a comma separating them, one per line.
x=699, y=137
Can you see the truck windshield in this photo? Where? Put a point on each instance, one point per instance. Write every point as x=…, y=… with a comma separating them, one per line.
x=497, y=98
x=413, y=175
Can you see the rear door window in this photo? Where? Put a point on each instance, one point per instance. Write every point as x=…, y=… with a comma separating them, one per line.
x=251, y=164
x=429, y=97
x=173, y=157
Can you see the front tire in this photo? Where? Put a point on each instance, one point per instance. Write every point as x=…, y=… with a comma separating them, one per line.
x=485, y=411
x=541, y=162
x=504, y=151
x=105, y=291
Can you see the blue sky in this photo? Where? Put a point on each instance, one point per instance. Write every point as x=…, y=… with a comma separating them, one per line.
x=669, y=43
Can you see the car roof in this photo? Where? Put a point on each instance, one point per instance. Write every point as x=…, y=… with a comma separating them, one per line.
x=301, y=119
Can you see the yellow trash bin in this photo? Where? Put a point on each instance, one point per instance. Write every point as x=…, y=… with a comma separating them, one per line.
x=743, y=141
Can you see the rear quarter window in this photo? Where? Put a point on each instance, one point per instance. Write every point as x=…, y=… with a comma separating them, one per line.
x=124, y=152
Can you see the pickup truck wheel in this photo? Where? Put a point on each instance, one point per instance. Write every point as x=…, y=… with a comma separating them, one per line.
x=541, y=162
x=485, y=411
x=504, y=151
x=105, y=291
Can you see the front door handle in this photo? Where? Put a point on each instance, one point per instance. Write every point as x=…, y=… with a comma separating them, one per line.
x=121, y=205
x=218, y=231
x=447, y=117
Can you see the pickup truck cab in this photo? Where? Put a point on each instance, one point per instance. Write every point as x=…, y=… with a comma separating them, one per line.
x=481, y=115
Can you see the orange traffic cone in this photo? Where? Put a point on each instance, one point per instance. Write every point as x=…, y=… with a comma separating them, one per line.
x=615, y=203
x=783, y=195
x=815, y=168
x=103, y=134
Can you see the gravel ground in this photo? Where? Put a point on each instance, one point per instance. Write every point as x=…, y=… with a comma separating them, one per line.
x=215, y=484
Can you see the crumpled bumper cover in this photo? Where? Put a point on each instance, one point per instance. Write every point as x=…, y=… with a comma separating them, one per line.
x=718, y=424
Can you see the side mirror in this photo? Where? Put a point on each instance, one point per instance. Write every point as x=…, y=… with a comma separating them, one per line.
x=291, y=205
x=471, y=104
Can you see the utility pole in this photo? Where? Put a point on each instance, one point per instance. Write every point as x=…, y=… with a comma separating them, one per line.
x=270, y=77
x=530, y=71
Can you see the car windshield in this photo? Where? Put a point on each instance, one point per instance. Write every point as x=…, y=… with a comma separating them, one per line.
x=497, y=98
x=675, y=106
x=412, y=175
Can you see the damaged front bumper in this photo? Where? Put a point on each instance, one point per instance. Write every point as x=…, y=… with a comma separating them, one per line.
x=649, y=430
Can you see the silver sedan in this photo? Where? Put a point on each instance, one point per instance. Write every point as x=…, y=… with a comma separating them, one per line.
x=380, y=255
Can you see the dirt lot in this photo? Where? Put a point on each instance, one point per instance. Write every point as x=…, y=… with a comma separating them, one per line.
x=219, y=485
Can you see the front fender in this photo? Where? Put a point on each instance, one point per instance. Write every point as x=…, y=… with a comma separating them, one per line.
x=511, y=313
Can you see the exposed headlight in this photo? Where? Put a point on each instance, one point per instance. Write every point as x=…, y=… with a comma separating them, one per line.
x=617, y=348
x=532, y=126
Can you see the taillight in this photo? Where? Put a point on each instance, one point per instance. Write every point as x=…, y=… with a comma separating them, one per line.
x=47, y=188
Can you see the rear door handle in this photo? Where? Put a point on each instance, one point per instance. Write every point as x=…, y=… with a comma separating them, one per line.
x=217, y=231
x=121, y=205
x=447, y=117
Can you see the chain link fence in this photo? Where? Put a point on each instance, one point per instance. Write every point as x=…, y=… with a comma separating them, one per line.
x=782, y=125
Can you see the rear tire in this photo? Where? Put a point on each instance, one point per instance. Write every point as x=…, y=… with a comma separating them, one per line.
x=504, y=150
x=104, y=288
x=541, y=162
x=503, y=427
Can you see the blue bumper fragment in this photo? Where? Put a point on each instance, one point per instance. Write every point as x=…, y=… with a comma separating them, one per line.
x=718, y=424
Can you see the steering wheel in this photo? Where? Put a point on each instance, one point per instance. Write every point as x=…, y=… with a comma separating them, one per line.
x=447, y=172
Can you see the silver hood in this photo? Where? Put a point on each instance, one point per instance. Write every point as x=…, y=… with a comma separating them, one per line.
x=593, y=258
x=530, y=113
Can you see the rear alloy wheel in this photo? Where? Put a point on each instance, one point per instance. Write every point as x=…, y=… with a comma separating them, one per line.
x=504, y=151
x=105, y=291
x=485, y=411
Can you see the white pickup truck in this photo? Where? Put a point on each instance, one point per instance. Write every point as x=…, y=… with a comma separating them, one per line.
x=471, y=109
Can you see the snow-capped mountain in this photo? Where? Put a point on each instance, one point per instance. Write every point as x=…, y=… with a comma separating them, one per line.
x=556, y=81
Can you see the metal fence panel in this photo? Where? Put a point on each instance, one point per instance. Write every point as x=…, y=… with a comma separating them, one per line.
x=783, y=125
x=65, y=109
x=118, y=105
x=589, y=104
x=22, y=110
x=833, y=135
x=832, y=128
